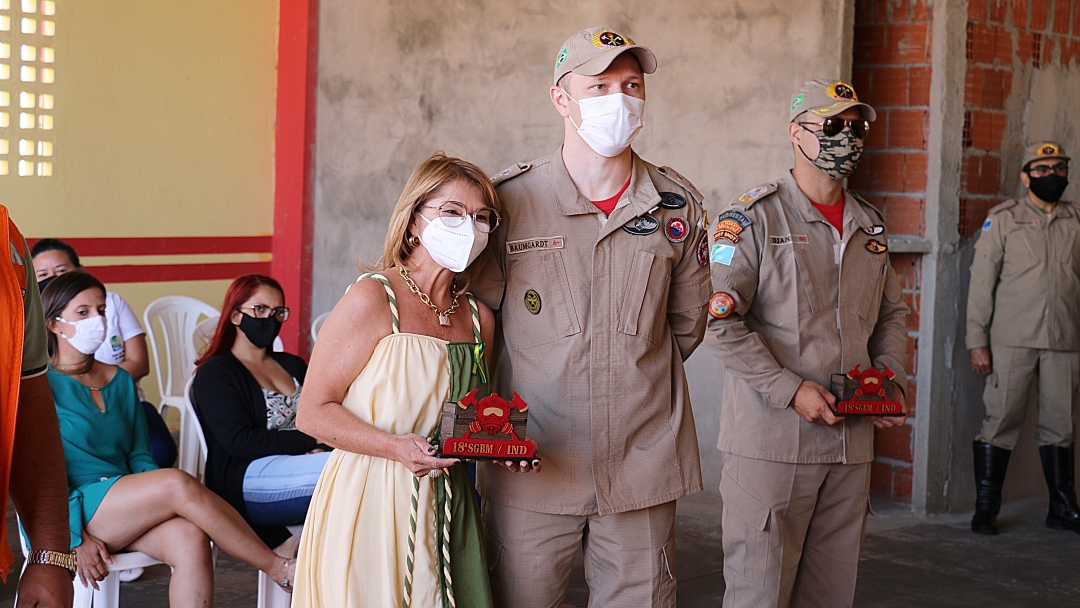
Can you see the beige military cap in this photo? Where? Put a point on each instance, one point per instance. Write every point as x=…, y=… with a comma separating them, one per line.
x=828, y=98
x=591, y=51
x=1043, y=149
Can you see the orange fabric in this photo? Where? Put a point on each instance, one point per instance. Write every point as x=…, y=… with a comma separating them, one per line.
x=12, y=286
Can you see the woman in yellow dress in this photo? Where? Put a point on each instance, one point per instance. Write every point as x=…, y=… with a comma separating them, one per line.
x=390, y=524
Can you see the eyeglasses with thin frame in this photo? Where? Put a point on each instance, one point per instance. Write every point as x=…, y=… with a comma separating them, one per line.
x=832, y=126
x=262, y=311
x=454, y=213
x=1044, y=170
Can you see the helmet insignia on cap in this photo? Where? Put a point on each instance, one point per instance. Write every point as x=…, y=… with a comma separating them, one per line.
x=1049, y=150
x=561, y=58
x=609, y=38
x=841, y=91
x=798, y=101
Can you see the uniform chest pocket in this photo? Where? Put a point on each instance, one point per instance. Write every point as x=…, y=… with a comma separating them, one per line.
x=538, y=308
x=1025, y=248
x=641, y=307
x=872, y=285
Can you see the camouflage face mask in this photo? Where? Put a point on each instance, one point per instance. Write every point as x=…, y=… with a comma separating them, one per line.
x=837, y=155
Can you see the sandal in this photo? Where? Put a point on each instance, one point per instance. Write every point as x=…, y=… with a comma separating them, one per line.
x=290, y=575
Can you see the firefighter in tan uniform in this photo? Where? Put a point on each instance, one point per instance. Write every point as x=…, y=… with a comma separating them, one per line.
x=600, y=282
x=1023, y=327
x=804, y=291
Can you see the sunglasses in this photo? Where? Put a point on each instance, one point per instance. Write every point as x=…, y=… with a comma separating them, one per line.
x=832, y=126
x=1044, y=170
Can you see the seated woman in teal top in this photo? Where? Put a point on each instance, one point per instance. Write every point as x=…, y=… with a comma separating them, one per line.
x=118, y=497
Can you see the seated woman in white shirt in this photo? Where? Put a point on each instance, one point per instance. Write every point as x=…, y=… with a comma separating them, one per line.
x=125, y=342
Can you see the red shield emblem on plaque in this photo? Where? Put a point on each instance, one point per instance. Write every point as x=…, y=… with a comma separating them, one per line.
x=870, y=396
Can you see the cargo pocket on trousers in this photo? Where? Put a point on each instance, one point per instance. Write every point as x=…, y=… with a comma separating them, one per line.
x=665, y=588
x=746, y=535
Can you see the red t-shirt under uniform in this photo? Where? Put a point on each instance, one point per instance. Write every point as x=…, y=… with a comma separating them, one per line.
x=608, y=204
x=834, y=214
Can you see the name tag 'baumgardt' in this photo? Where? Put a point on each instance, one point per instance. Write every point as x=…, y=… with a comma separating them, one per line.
x=866, y=393
x=486, y=429
x=537, y=244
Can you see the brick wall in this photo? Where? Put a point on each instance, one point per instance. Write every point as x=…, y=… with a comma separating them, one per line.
x=1005, y=40
x=891, y=71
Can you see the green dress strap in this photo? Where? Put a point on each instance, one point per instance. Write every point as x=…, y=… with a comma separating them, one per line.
x=389, y=296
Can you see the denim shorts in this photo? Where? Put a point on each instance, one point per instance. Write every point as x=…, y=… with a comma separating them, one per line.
x=277, y=489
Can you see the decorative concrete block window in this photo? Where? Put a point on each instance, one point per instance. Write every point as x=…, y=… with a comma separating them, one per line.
x=27, y=60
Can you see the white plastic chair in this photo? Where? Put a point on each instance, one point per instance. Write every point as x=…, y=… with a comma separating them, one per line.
x=192, y=439
x=171, y=320
x=316, y=325
x=108, y=593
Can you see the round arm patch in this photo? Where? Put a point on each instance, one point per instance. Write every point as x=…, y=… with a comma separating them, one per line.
x=721, y=305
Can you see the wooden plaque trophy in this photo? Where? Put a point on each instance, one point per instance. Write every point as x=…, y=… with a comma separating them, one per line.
x=485, y=429
x=866, y=393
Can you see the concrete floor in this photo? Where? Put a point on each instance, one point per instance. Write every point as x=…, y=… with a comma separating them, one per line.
x=906, y=561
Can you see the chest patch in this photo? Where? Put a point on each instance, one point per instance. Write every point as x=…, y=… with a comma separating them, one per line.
x=874, y=230
x=532, y=301
x=789, y=239
x=535, y=244
x=642, y=225
x=676, y=229
x=670, y=200
x=875, y=246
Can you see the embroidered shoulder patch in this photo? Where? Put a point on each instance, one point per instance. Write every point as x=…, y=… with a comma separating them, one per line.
x=986, y=225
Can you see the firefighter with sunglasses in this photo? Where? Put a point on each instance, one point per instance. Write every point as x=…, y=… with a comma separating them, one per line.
x=804, y=293
x=1023, y=328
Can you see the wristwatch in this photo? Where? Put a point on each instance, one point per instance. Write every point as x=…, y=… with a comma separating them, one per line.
x=53, y=558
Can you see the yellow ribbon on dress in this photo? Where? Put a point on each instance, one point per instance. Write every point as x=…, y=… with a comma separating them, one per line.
x=477, y=367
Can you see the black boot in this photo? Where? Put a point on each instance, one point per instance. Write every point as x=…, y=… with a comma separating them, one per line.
x=1058, y=465
x=990, y=465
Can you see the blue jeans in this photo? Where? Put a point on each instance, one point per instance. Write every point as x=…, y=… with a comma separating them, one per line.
x=277, y=489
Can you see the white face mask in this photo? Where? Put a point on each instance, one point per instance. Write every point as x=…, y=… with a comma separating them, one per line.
x=89, y=334
x=453, y=248
x=609, y=122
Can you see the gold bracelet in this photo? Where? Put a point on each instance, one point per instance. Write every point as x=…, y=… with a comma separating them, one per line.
x=53, y=558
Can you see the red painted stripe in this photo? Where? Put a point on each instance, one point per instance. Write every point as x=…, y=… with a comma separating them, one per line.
x=297, y=78
x=169, y=245
x=157, y=273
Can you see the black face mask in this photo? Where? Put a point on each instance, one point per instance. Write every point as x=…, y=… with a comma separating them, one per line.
x=260, y=332
x=43, y=283
x=1049, y=188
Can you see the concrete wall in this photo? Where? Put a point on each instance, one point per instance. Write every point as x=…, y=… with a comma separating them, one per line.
x=398, y=81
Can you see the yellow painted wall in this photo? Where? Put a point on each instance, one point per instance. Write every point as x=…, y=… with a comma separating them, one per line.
x=163, y=126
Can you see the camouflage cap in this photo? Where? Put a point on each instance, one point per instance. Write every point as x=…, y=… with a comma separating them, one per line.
x=592, y=50
x=1043, y=149
x=828, y=98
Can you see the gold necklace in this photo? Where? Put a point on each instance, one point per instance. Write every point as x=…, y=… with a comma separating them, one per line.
x=444, y=315
x=88, y=370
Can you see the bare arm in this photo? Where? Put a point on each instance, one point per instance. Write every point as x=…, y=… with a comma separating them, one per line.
x=347, y=340
x=136, y=360
x=39, y=492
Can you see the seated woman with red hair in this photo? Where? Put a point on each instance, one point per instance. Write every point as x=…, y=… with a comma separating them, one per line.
x=245, y=395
